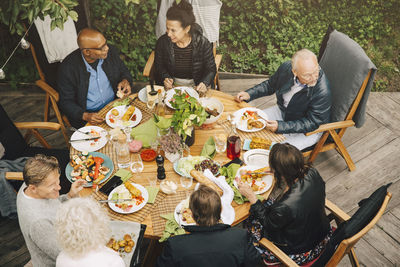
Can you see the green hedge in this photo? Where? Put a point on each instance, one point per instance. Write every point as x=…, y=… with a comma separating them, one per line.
x=256, y=36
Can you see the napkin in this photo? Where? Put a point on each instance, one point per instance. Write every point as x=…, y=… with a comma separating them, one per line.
x=209, y=148
x=153, y=191
x=171, y=227
x=162, y=122
x=124, y=174
x=147, y=132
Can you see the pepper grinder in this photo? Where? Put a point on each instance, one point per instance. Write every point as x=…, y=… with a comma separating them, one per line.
x=160, y=167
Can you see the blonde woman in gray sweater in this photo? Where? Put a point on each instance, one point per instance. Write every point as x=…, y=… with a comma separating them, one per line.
x=37, y=203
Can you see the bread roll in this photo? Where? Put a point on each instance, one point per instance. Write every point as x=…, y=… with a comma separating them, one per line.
x=201, y=178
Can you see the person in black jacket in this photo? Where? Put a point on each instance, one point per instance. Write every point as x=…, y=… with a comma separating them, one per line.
x=303, y=98
x=183, y=56
x=296, y=222
x=209, y=243
x=90, y=77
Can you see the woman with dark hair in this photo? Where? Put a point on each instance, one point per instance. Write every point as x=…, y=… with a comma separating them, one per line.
x=209, y=243
x=183, y=56
x=296, y=222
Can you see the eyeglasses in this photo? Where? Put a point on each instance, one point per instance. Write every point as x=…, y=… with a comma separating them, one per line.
x=310, y=75
x=102, y=48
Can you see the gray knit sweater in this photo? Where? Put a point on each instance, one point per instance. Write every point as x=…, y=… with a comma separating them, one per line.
x=36, y=218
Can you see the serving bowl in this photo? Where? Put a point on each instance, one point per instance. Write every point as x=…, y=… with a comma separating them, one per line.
x=212, y=103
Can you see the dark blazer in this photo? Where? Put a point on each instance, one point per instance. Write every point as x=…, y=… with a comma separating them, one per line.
x=204, y=68
x=219, y=245
x=307, y=109
x=297, y=222
x=73, y=82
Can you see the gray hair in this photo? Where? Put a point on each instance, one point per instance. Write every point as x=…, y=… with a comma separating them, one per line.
x=38, y=168
x=81, y=226
x=302, y=54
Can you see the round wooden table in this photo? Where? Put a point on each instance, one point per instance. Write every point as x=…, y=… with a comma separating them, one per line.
x=201, y=136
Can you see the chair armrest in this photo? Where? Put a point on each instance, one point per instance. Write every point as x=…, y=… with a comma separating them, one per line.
x=332, y=126
x=336, y=211
x=277, y=252
x=14, y=176
x=149, y=65
x=48, y=89
x=218, y=59
x=38, y=125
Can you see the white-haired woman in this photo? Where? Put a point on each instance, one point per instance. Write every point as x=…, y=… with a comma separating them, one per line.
x=82, y=232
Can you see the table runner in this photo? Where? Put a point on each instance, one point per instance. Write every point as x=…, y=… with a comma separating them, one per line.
x=164, y=207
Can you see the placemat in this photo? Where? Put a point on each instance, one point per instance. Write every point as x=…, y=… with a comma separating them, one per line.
x=166, y=206
x=138, y=216
x=264, y=133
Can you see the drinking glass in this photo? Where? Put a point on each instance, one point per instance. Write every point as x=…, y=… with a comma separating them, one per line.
x=127, y=130
x=220, y=143
x=233, y=147
x=150, y=104
x=137, y=163
x=186, y=182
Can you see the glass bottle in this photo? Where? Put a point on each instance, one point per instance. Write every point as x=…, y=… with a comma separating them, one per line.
x=160, y=105
x=233, y=144
x=122, y=150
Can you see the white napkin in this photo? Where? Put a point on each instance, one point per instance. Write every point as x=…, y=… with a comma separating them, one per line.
x=228, y=212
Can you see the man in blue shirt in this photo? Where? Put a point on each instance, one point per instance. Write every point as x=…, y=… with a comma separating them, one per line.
x=90, y=77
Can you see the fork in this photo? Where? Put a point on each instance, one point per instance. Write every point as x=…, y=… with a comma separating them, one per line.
x=79, y=131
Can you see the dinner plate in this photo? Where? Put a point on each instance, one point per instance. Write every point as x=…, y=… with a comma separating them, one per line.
x=170, y=93
x=242, y=124
x=143, y=93
x=115, y=121
x=121, y=188
x=226, y=217
x=266, y=179
x=107, y=163
x=258, y=157
x=92, y=145
x=183, y=172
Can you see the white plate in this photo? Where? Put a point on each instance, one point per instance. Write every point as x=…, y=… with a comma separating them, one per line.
x=212, y=103
x=266, y=179
x=117, y=119
x=258, y=157
x=145, y=195
x=92, y=145
x=242, y=124
x=183, y=173
x=228, y=219
x=143, y=93
x=171, y=93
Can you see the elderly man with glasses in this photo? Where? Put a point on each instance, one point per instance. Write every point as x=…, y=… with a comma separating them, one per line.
x=303, y=99
x=90, y=77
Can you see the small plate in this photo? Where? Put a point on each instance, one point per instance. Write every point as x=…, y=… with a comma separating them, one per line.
x=258, y=157
x=91, y=145
x=135, y=208
x=171, y=93
x=242, y=124
x=266, y=179
x=107, y=163
x=117, y=119
x=143, y=93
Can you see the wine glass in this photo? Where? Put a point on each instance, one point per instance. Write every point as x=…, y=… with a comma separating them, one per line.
x=137, y=163
x=186, y=182
x=220, y=143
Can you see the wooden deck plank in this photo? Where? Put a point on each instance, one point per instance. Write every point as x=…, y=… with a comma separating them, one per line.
x=386, y=110
x=368, y=255
x=396, y=211
x=389, y=223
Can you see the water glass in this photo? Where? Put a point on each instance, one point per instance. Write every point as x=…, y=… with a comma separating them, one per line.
x=220, y=143
x=150, y=104
x=186, y=183
x=137, y=163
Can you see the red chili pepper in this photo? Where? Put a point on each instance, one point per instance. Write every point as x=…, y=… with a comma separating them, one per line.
x=98, y=161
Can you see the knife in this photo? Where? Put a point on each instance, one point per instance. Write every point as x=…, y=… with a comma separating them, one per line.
x=85, y=139
x=114, y=200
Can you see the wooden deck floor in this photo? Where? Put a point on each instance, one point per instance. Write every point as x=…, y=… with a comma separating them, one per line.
x=374, y=148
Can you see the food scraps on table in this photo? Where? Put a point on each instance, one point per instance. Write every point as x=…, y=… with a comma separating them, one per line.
x=124, y=245
x=88, y=167
x=260, y=143
x=148, y=154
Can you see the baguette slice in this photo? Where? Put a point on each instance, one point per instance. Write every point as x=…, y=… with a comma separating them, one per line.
x=201, y=178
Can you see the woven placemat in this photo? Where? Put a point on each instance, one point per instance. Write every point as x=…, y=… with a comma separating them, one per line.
x=264, y=133
x=138, y=216
x=168, y=205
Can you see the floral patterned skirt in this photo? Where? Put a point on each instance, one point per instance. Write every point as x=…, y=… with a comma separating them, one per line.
x=255, y=229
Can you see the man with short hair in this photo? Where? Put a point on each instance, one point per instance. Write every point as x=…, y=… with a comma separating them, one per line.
x=303, y=99
x=90, y=77
x=37, y=203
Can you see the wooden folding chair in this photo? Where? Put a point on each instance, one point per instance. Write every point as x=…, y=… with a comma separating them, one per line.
x=350, y=73
x=346, y=247
x=148, y=70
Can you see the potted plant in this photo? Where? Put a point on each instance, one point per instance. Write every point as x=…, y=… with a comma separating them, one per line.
x=188, y=113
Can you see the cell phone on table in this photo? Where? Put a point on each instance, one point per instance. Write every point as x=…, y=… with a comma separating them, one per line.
x=111, y=184
x=235, y=160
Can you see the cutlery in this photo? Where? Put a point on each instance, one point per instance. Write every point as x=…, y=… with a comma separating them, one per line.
x=79, y=131
x=256, y=173
x=85, y=139
x=114, y=200
x=262, y=116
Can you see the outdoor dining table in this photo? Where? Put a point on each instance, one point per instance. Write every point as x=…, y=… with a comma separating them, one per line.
x=150, y=213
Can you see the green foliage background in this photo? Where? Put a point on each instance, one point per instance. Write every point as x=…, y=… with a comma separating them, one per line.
x=256, y=36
